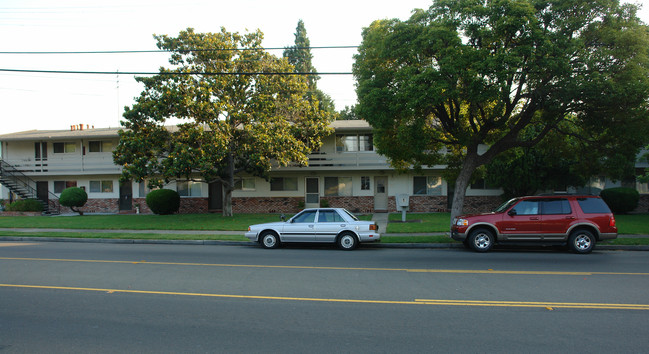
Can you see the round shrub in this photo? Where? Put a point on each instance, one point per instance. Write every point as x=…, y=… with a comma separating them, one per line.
x=621, y=199
x=73, y=198
x=25, y=205
x=163, y=201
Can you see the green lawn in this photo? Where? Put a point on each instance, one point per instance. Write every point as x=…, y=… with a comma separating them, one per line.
x=419, y=223
x=633, y=224
x=238, y=222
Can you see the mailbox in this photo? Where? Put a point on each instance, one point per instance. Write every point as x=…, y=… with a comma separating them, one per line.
x=403, y=201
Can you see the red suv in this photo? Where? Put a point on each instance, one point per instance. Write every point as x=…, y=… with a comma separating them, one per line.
x=580, y=221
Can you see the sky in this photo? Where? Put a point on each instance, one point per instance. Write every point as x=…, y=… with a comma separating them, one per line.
x=46, y=101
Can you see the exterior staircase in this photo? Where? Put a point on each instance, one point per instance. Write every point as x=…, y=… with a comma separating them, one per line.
x=25, y=187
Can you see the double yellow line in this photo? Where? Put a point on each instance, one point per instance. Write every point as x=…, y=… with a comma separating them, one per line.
x=546, y=305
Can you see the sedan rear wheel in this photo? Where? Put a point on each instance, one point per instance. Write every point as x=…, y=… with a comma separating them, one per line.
x=347, y=241
x=269, y=239
x=481, y=240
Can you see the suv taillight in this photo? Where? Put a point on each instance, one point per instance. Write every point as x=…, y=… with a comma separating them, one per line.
x=611, y=222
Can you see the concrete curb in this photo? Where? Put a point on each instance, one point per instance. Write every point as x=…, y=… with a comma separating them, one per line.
x=251, y=244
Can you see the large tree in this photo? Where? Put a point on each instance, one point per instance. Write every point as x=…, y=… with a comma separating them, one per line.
x=238, y=108
x=469, y=74
x=558, y=161
x=299, y=55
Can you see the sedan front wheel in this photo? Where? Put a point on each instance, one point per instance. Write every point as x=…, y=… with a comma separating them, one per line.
x=269, y=239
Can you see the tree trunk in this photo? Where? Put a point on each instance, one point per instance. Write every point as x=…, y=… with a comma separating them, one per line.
x=228, y=187
x=461, y=183
x=227, y=201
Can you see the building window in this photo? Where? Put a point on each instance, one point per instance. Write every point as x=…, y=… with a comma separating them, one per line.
x=354, y=142
x=338, y=186
x=482, y=184
x=189, y=189
x=365, y=183
x=64, y=148
x=427, y=185
x=60, y=186
x=40, y=151
x=101, y=186
x=100, y=146
x=245, y=184
x=283, y=184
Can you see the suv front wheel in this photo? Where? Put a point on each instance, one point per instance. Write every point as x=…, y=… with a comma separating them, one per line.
x=581, y=241
x=481, y=240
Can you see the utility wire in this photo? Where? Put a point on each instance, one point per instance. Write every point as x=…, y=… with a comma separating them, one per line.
x=168, y=73
x=181, y=50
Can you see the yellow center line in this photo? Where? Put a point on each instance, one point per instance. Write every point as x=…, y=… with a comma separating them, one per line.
x=10, y=244
x=548, y=305
x=440, y=271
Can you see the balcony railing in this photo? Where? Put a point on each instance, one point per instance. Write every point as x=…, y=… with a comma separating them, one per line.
x=66, y=165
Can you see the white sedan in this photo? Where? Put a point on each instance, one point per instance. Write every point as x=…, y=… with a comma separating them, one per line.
x=326, y=225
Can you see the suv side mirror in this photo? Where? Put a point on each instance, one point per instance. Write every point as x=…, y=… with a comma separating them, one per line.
x=512, y=212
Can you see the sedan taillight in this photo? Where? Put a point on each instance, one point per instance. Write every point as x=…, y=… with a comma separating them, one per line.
x=374, y=227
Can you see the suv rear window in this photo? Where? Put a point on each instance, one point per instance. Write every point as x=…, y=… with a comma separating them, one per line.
x=593, y=206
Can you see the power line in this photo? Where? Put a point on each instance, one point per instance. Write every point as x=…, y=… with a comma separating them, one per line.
x=181, y=50
x=167, y=73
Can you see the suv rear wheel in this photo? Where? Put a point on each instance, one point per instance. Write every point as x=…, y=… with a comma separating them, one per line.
x=581, y=241
x=481, y=240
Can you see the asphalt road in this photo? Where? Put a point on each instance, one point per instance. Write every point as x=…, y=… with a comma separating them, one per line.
x=76, y=297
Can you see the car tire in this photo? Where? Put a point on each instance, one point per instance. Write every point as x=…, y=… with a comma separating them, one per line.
x=581, y=241
x=269, y=239
x=481, y=240
x=347, y=241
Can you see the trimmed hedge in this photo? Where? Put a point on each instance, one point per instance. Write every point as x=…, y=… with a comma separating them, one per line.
x=163, y=201
x=74, y=198
x=621, y=200
x=25, y=205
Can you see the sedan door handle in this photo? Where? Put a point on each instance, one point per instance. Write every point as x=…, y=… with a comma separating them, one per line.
x=534, y=218
x=311, y=226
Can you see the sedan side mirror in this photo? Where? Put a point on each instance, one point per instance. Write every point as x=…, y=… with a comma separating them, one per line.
x=282, y=217
x=512, y=212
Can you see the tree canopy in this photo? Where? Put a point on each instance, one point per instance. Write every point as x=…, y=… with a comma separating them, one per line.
x=299, y=55
x=239, y=110
x=466, y=74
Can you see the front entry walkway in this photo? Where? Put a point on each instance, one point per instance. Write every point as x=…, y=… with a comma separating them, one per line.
x=382, y=221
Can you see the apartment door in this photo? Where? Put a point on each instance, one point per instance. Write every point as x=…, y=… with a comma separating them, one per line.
x=42, y=192
x=312, y=197
x=126, y=196
x=381, y=193
x=215, y=199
